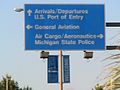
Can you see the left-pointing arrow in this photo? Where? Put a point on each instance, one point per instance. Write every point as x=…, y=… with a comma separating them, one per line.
x=29, y=27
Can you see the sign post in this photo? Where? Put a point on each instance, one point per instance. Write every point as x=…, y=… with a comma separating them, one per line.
x=61, y=70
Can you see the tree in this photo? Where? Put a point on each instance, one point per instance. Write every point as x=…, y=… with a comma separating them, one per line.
x=27, y=88
x=113, y=77
x=98, y=87
x=8, y=82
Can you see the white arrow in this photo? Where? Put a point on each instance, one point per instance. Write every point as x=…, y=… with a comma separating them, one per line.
x=29, y=12
x=29, y=27
x=100, y=36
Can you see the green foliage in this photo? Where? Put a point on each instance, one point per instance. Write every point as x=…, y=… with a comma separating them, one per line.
x=98, y=87
x=11, y=84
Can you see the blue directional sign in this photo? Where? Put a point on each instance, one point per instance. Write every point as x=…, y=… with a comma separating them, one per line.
x=66, y=68
x=64, y=27
x=53, y=69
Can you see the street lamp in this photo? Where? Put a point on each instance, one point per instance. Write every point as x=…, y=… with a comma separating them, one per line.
x=18, y=9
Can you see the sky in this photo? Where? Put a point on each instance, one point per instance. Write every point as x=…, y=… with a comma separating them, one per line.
x=27, y=68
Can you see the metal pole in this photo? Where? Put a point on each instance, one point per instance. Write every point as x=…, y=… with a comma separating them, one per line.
x=113, y=47
x=61, y=70
x=112, y=24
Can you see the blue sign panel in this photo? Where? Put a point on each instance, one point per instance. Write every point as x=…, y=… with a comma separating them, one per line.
x=66, y=68
x=53, y=69
x=64, y=27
